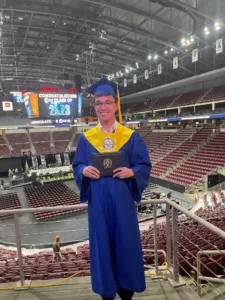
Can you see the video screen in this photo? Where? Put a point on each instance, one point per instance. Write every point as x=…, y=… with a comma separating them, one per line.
x=79, y=106
x=57, y=105
x=31, y=105
x=16, y=97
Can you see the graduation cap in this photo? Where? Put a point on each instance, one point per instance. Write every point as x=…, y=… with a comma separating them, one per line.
x=107, y=87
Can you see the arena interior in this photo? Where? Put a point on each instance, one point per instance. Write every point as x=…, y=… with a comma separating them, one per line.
x=169, y=57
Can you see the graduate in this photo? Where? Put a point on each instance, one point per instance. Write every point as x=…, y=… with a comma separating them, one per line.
x=114, y=236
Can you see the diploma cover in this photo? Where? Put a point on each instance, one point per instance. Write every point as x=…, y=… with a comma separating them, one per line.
x=107, y=162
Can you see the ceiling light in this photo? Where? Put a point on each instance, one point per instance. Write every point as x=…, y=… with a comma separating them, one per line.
x=53, y=22
x=64, y=23
x=171, y=49
x=7, y=17
x=137, y=65
x=192, y=39
x=207, y=32
x=165, y=52
x=206, y=29
x=155, y=56
x=117, y=74
x=20, y=18
x=149, y=57
x=183, y=40
x=127, y=70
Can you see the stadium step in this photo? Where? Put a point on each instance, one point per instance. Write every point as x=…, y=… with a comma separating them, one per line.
x=80, y=289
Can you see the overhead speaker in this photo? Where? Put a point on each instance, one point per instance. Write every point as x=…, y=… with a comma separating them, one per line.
x=78, y=83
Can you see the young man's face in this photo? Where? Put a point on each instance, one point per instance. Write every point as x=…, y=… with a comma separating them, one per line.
x=105, y=107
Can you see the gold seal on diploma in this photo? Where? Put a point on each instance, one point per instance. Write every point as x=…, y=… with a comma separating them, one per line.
x=107, y=163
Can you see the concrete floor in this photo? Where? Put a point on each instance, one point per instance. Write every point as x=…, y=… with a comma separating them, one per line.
x=80, y=289
x=37, y=234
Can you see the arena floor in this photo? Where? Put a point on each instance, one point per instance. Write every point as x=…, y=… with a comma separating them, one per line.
x=40, y=234
x=72, y=229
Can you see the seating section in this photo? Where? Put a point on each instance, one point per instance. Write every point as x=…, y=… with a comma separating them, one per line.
x=215, y=94
x=191, y=98
x=74, y=144
x=170, y=145
x=4, y=150
x=43, y=148
x=201, y=163
x=63, y=135
x=61, y=140
x=191, y=239
x=60, y=146
x=19, y=142
x=9, y=201
x=184, y=149
x=51, y=194
x=40, y=136
x=188, y=99
x=41, y=142
x=164, y=103
x=156, y=138
x=42, y=266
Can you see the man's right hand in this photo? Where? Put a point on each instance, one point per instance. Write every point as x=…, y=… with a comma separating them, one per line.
x=91, y=172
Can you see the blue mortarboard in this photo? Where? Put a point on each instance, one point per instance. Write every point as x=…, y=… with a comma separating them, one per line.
x=104, y=87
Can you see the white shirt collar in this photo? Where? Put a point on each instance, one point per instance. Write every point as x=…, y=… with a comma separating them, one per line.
x=112, y=129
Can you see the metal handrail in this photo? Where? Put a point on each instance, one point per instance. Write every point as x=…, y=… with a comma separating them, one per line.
x=199, y=276
x=171, y=229
x=201, y=221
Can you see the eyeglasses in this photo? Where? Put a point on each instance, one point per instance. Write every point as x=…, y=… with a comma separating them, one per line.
x=107, y=103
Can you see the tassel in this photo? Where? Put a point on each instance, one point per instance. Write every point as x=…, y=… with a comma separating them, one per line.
x=118, y=105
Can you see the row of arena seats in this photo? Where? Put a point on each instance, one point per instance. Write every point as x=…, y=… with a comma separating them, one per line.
x=193, y=141
x=192, y=238
x=43, y=142
x=192, y=152
x=191, y=98
x=51, y=194
x=201, y=163
x=9, y=201
x=42, y=265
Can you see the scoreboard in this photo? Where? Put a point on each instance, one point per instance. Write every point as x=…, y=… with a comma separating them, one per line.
x=53, y=105
x=57, y=105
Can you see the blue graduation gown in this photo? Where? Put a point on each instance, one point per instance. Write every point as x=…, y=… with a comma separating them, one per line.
x=114, y=236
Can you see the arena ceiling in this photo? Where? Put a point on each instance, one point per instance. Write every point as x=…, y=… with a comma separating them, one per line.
x=41, y=41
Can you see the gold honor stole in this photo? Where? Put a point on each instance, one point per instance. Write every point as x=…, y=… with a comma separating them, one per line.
x=108, y=142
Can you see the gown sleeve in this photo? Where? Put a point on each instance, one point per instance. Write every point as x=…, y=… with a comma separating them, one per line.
x=79, y=163
x=140, y=165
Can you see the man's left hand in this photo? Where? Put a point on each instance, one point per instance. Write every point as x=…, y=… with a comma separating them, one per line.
x=123, y=173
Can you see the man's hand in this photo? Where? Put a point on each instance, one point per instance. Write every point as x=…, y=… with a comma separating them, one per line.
x=123, y=173
x=91, y=172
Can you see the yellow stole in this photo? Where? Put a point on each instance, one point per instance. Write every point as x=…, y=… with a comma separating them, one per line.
x=108, y=142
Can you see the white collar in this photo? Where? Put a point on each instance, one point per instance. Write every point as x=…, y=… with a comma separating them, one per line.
x=112, y=129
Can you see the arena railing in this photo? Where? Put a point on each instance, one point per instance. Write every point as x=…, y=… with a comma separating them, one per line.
x=180, y=233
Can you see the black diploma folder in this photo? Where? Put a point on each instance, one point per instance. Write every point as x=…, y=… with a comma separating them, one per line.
x=107, y=162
